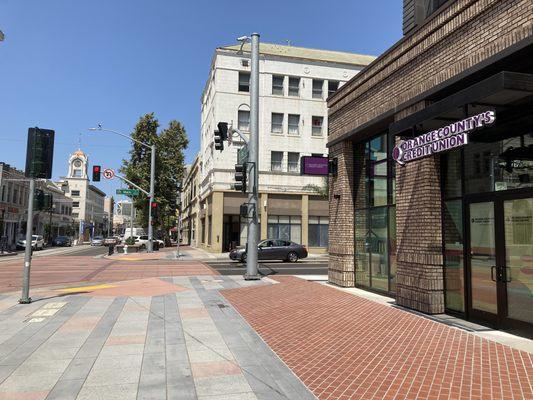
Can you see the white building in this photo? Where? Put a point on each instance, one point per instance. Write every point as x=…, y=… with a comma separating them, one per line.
x=87, y=200
x=294, y=83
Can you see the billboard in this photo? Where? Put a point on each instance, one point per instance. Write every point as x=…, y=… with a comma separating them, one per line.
x=314, y=165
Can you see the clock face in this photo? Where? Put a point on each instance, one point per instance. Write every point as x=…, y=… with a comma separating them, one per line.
x=77, y=163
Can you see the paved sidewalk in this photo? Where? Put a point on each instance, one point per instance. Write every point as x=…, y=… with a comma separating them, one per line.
x=343, y=346
x=151, y=338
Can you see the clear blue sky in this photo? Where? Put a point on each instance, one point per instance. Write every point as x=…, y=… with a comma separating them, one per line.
x=67, y=65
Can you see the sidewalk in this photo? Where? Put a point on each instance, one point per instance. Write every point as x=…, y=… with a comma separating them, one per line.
x=195, y=253
x=168, y=338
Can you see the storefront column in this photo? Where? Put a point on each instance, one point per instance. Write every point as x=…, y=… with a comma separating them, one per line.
x=217, y=221
x=419, y=236
x=264, y=215
x=341, y=217
x=305, y=220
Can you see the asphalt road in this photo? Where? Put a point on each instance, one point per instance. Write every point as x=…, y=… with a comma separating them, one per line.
x=310, y=267
x=90, y=251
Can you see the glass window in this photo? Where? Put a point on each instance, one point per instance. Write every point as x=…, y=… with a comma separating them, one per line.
x=362, y=248
x=276, y=160
x=294, y=124
x=294, y=86
x=332, y=87
x=287, y=228
x=318, y=85
x=453, y=255
x=318, y=231
x=316, y=129
x=75, y=204
x=392, y=249
x=294, y=162
x=277, y=123
x=277, y=84
x=75, y=192
x=379, y=248
x=244, y=81
x=244, y=120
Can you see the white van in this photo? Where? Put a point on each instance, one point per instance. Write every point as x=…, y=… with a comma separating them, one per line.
x=133, y=232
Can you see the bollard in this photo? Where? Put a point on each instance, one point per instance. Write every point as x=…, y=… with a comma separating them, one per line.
x=125, y=249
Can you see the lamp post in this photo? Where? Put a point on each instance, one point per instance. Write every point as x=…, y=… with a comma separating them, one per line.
x=152, y=178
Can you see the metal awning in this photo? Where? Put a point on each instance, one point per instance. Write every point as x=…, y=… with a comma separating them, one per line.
x=498, y=91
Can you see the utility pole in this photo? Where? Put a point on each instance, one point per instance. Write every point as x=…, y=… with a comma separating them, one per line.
x=152, y=181
x=253, y=166
x=25, y=299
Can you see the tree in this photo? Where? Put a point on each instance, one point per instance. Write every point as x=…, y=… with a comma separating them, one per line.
x=169, y=167
x=322, y=191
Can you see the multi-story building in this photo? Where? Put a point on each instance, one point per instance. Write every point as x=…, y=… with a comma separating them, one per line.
x=190, y=204
x=294, y=84
x=433, y=199
x=123, y=217
x=14, y=191
x=87, y=200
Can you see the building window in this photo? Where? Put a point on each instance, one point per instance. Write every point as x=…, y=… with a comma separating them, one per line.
x=244, y=81
x=318, y=87
x=75, y=204
x=76, y=173
x=318, y=231
x=294, y=162
x=285, y=228
x=294, y=124
x=277, y=123
x=276, y=160
x=316, y=129
x=332, y=87
x=294, y=86
x=75, y=193
x=210, y=221
x=277, y=84
x=375, y=216
x=244, y=120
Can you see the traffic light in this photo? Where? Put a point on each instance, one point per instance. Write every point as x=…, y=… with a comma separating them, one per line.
x=223, y=129
x=39, y=153
x=154, y=209
x=240, y=177
x=48, y=201
x=39, y=200
x=219, y=141
x=96, y=173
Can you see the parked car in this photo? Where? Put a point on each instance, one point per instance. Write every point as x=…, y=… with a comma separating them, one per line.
x=62, y=241
x=273, y=249
x=143, y=241
x=97, y=241
x=37, y=243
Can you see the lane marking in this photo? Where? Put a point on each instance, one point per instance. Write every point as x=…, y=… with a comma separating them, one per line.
x=86, y=288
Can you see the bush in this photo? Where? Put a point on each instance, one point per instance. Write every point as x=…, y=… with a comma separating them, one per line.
x=130, y=241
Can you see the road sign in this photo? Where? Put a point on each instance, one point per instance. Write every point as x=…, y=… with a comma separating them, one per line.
x=128, y=192
x=242, y=155
x=109, y=173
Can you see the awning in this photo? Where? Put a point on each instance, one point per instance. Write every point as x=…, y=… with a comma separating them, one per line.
x=497, y=92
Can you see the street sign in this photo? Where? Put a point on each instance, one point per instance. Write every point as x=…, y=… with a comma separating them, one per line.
x=242, y=155
x=128, y=192
x=109, y=173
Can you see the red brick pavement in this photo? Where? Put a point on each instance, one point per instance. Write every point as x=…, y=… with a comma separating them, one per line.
x=60, y=270
x=346, y=347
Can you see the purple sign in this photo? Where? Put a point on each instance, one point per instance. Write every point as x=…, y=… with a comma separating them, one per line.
x=314, y=165
x=442, y=139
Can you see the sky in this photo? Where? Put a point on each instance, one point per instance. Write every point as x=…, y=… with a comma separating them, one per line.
x=68, y=65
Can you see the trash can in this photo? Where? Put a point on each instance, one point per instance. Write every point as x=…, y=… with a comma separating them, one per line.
x=110, y=249
x=155, y=245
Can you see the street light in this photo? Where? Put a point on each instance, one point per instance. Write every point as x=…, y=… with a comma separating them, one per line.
x=152, y=178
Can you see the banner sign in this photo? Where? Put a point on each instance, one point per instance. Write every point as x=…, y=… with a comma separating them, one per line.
x=442, y=139
x=314, y=165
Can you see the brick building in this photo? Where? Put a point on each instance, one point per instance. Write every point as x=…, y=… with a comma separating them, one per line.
x=432, y=201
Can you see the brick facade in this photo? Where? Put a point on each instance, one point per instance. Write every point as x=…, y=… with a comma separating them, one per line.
x=457, y=39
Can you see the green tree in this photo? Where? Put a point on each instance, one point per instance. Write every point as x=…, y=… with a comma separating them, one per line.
x=170, y=145
x=322, y=191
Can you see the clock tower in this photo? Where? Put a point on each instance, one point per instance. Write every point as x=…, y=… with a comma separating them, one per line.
x=78, y=162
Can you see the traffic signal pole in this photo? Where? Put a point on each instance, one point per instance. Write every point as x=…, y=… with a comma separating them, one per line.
x=253, y=166
x=25, y=299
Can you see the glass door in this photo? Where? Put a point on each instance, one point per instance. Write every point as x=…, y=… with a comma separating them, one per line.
x=500, y=260
x=482, y=260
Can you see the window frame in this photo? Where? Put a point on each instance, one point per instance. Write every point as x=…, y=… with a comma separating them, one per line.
x=272, y=161
x=297, y=133
x=241, y=84
x=315, y=91
x=313, y=126
x=277, y=124
x=296, y=164
x=299, y=80
x=241, y=127
x=275, y=87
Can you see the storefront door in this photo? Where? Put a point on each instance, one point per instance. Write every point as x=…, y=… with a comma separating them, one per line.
x=500, y=259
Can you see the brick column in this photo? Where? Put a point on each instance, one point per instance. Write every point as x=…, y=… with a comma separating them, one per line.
x=419, y=236
x=341, y=217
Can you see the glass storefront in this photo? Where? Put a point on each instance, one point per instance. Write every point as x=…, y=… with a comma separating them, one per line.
x=487, y=190
x=375, y=216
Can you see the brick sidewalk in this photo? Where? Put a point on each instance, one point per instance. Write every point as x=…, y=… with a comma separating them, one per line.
x=345, y=347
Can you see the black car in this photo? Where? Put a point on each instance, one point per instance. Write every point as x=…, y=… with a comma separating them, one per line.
x=62, y=241
x=273, y=249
